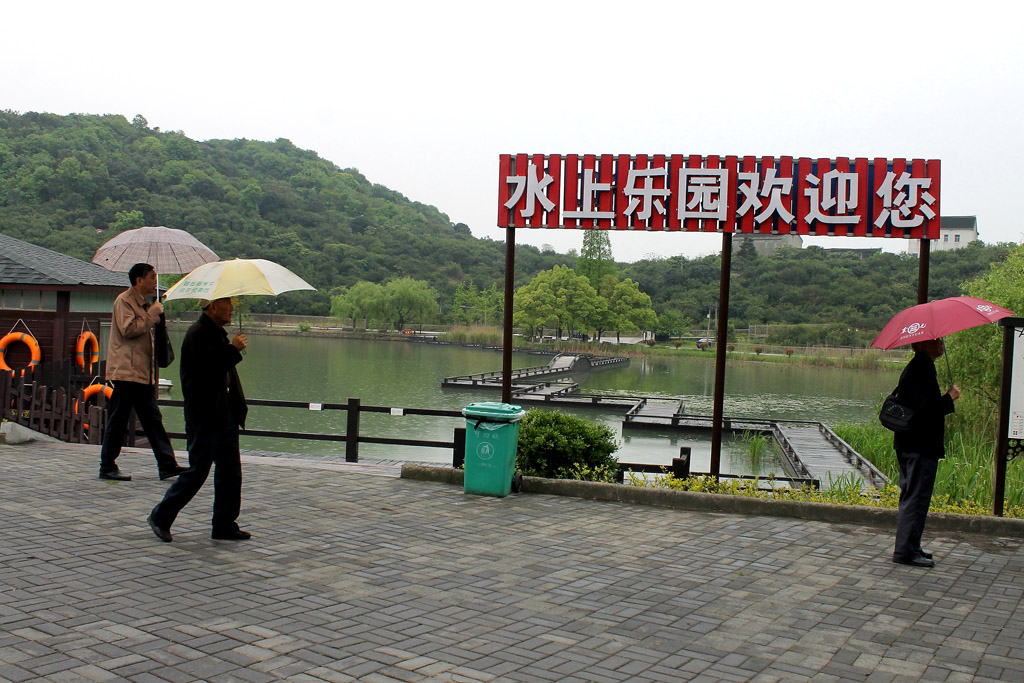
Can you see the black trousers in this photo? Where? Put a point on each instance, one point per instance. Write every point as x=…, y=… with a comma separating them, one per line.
x=141, y=398
x=217, y=448
x=917, y=479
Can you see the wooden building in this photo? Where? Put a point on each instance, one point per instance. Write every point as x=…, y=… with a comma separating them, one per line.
x=53, y=297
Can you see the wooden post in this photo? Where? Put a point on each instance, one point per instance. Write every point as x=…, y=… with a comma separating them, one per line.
x=6, y=379
x=506, y=351
x=1009, y=326
x=459, y=451
x=60, y=349
x=681, y=465
x=61, y=416
x=95, y=425
x=352, y=431
x=723, y=333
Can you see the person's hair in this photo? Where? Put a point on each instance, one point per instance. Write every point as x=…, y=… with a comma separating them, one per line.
x=921, y=346
x=137, y=271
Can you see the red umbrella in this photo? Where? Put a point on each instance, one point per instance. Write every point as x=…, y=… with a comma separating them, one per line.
x=936, y=319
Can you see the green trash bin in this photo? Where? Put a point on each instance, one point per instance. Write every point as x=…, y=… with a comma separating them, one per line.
x=492, y=432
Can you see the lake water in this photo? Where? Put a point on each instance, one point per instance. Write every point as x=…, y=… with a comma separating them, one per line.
x=408, y=375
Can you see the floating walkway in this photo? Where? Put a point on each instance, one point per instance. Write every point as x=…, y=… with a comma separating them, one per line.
x=561, y=364
x=810, y=449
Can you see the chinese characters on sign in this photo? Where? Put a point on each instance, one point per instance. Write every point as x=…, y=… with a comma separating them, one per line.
x=856, y=197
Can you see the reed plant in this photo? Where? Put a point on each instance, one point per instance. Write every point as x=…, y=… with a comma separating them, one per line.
x=760, y=450
x=484, y=335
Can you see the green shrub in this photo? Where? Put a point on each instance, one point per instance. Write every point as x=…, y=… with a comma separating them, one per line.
x=555, y=444
x=304, y=327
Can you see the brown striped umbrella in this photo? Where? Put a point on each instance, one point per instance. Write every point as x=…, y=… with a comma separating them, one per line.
x=166, y=249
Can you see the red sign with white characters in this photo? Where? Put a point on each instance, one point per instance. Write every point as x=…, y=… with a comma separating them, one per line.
x=766, y=195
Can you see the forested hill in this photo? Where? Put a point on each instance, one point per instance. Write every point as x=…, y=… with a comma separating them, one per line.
x=69, y=183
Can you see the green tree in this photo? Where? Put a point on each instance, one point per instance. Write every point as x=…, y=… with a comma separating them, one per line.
x=491, y=303
x=975, y=355
x=576, y=305
x=406, y=300
x=595, y=260
x=535, y=306
x=631, y=309
x=364, y=300
x=465, y=304
x=127, y=220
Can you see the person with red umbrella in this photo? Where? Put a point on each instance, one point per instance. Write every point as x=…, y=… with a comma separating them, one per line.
x=920, y=448
x=922, y=445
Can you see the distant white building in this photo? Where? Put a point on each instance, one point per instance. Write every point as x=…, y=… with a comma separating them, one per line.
x=766, y=244
x=956, y=233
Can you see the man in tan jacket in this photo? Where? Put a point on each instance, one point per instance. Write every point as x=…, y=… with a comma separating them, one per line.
x=132, y=370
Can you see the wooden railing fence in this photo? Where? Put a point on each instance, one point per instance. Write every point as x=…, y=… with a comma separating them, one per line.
x=49, y=399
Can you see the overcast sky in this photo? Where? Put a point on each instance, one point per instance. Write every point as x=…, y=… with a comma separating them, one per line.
x=423, y=96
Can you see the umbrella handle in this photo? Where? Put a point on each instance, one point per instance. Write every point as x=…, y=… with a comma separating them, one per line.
x=946, y=356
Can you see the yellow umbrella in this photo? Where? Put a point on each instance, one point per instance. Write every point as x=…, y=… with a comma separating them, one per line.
x=236, y=277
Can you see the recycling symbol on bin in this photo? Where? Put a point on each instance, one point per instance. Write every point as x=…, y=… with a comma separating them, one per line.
x=485, y=450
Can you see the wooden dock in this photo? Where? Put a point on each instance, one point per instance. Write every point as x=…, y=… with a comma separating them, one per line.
x=810, y=449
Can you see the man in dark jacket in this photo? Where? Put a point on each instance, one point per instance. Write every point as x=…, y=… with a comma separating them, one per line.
x=920, y=448
x=214, y=412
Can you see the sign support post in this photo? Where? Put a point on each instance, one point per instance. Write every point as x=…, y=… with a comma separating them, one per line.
x=722, y=333
x=922, y=271
x=506, y=349
x=1011, y=407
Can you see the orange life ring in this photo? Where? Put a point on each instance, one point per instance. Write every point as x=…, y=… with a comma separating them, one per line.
x=89, y=338
x=94, y=389
x=25, y=338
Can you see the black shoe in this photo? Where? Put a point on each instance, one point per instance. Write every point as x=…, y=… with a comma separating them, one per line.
x=919, y=561
x=115, y=475
x=233, y=535
x=925, y=555
x=172, y=473
x=163, y=534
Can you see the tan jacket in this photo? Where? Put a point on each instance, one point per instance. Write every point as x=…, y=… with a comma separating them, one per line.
x=130, y=347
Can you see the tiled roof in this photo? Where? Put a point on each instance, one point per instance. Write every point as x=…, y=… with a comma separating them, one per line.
x=960, y=223
x=23, y=263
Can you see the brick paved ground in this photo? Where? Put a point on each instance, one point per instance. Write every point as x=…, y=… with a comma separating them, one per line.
x=375, y=578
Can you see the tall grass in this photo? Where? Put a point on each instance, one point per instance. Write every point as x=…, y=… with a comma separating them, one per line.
x=964, y=481
x=484, y=335
x=761, y=453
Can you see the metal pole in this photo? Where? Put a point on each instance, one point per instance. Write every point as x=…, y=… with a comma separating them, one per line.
x=506, y=350
x=999, y=477
x=922, y=271
x=723, y=332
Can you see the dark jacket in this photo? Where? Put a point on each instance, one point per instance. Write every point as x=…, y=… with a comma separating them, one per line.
x=209, y=383
x=919, y=389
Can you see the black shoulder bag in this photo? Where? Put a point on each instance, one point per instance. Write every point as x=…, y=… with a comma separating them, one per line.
x=162, y=344
x=894, y=415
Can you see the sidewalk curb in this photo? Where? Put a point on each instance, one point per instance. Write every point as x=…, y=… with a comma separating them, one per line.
x=738, y=505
